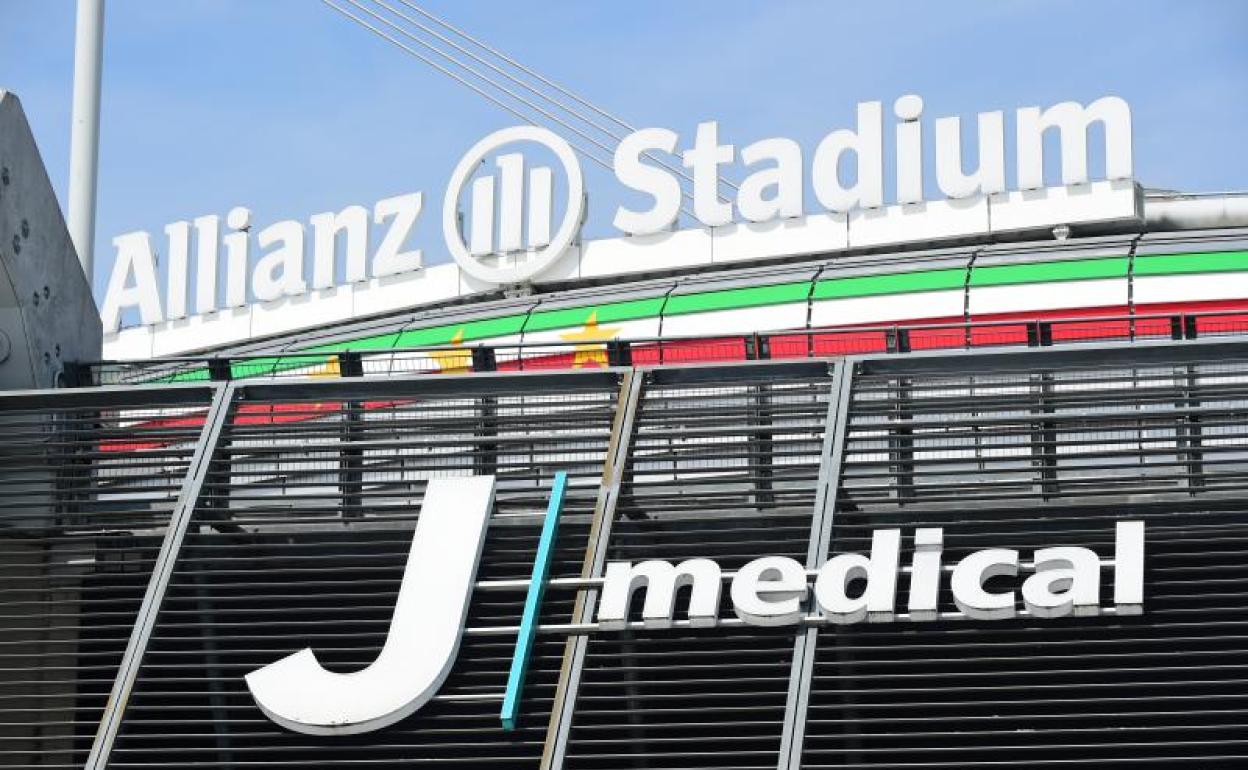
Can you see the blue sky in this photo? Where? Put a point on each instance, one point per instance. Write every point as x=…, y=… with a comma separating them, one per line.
x=288, y=108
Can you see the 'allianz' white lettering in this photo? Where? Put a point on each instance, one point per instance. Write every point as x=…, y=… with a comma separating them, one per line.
x=498, y=252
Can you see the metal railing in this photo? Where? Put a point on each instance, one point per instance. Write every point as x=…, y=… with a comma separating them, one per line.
x=229, y=525
x=792, y=344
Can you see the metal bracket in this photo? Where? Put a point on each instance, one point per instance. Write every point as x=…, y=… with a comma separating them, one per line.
x=162, y=571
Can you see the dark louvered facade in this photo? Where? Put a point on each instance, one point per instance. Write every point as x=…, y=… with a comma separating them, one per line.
x=160, y=541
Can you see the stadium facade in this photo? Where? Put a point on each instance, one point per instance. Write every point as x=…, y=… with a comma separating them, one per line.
x=961, y=500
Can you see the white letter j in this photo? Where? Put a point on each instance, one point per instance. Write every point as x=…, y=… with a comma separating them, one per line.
x=297, y=693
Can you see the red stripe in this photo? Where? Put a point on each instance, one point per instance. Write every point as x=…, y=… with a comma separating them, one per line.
x=1073, y=325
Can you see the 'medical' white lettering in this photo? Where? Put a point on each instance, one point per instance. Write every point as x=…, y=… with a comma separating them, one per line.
x=851, y=587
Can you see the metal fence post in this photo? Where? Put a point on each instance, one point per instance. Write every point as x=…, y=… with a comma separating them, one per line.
x=350, y=364
x=619, y=353
x=219, y=369
x=595, y=559
x=483, y=359
x=162, y=571
x=798, y=699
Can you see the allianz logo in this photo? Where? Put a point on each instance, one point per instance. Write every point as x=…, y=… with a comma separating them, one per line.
x=432, y=606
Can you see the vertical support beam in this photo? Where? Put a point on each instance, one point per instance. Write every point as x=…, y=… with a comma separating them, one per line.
x=350, y=364
x=351, y=463
x=1189, y=430
x=485, y=459
x=595, y=560
x=1044, y=438
x=764, y=446
x=901, y=442
x=162, y=572
x=212, y=658
x=219, y=369
x=619, y=353
x=84, y=138
x=826, y=489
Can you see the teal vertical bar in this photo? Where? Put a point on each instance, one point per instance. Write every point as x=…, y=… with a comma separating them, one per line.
x=533, y=604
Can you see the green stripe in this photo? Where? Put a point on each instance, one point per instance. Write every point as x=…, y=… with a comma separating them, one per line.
x=431, y=336
x=755, y=296
x=1047, y=272
x=198, y=374
x=1182, y=264
x=277, y=364
x=608, y=313
x=730, y=299
x=378, y=342
x=472, y=330
x=897, y=283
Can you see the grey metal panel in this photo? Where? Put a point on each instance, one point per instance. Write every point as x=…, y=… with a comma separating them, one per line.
x=303, y=518
x=855, y=265
x=1090, y=353
x=153, y=598
x=1193, y=241
x=595, y=559
x=47, y=313
x=1026, y=458
x=724, y=470
x=1054, y=251
x=441, y=385
x=118, y=397
x=737, y=279
x=600, y=295
x=816, y=555
x=712, y=373
x=88, y=486
x=299, y=538
x=591, y=298
x=458, y=311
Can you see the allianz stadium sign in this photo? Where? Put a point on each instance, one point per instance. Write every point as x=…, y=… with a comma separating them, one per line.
x=515, y=204
x=436, y=588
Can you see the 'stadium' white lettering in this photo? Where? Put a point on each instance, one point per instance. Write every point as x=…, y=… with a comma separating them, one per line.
x=866, y=144
x=847, y=166
x=776, y=191
x=989, y=177
x=663, y=187
x=852, y=588
x=1072, y=122
x=705, y=158
x=279, y=272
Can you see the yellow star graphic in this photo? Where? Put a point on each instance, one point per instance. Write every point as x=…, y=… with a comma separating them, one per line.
x=590, y=354
x=453, y=361
x=331, y=368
